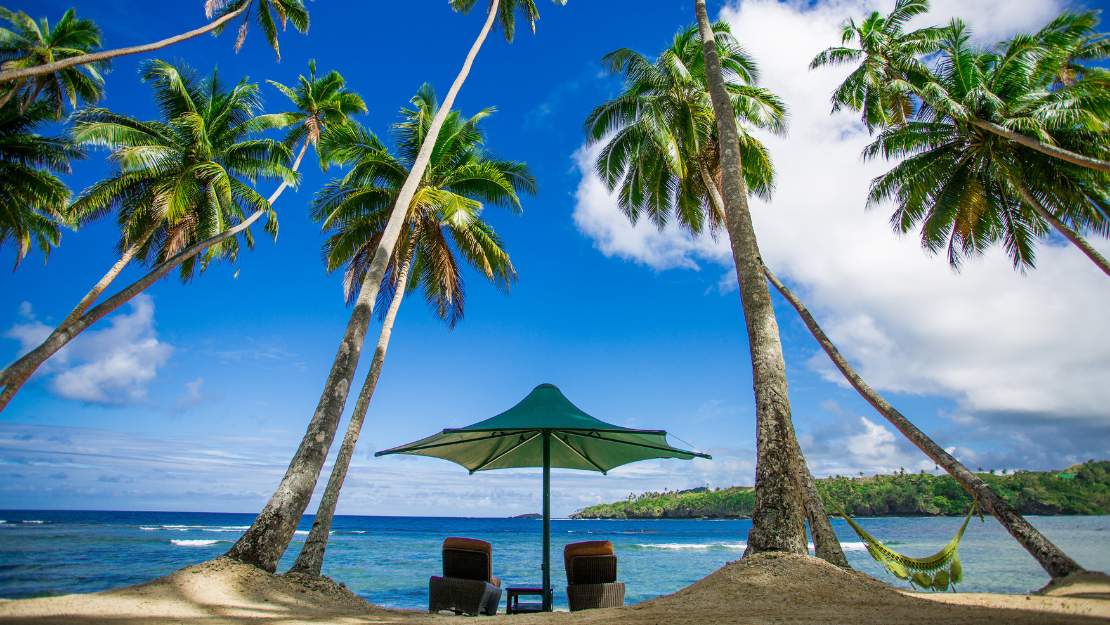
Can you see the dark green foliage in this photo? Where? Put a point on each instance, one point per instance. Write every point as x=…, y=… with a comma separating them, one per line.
x=906, y=494
x=32, y=199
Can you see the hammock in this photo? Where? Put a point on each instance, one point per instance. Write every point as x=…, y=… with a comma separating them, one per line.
x=940, y=571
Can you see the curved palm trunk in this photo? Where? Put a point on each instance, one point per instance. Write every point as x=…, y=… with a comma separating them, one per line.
x=104, y=55
x=311, y=558
x=1055, y=562
x=778, y=520
x=826, y=545
x=95, y=292
x=268, y=537
x=1044, y=148
x=16, y=374
x=1071, y=235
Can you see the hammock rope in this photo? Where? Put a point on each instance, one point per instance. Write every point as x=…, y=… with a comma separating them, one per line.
x=940, y=571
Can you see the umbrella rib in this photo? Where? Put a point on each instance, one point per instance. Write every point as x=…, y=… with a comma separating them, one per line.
x=505, y=453
x=402, y=450
x=580, y=454
x=696, y=454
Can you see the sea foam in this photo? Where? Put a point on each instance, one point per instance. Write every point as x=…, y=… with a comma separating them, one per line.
x=196, y=543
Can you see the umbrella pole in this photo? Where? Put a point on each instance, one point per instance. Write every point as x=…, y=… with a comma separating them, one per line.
x=546, y=521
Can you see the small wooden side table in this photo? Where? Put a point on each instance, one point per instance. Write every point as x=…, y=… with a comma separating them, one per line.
x=513, y=604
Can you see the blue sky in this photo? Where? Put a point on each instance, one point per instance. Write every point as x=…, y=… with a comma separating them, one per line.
x=195, y=397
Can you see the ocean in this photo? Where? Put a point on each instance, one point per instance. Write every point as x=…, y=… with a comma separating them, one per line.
x=387, y=560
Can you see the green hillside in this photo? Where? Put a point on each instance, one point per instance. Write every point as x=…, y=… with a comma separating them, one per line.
x=1081, y=489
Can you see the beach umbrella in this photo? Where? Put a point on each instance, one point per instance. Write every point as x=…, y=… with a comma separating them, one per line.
x=545, y=430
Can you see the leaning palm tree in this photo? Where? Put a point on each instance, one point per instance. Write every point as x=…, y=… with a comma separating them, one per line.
x=268, y=537
x=224, y=11
x=888, y=57
x=1053, y=559
x=1072, y=44
x=318, y=104
x=444, y=223
x=179, y=181
x=32, y=199
x=673, y=143
x=892, y=84
x=27, y=43
x=968, y=187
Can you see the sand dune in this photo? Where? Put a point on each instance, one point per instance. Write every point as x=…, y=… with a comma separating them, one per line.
x=768, y=588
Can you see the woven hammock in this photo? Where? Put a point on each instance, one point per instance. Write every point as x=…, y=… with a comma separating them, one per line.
x=940, y=571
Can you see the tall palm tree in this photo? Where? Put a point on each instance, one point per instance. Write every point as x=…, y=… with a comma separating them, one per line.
x=181, y=180
x=888, y=59
x=968, y=187
x=224, y=11
x=268, y=537
x=444, y=223
x=32, y=199
x=660, y=156
x=28, y=43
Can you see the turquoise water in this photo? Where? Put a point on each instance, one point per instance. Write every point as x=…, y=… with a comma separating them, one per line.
x=388, y=560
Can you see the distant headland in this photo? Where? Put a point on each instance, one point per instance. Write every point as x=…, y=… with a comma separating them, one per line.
x=1079, y=489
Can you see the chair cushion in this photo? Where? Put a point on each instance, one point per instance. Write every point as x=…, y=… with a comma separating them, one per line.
x=467, y=558
x=587, y=548
x=469, y=544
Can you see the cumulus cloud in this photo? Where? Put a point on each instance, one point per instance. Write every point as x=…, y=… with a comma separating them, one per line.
x=1000, y=344
x=111, y=365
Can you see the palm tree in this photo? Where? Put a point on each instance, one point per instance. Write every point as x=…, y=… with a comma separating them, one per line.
x=891, y=84
x=224, y=11
x=968, y=187
x=661, y=146
x=265, y=11
x=179, y=181
x=318, y=103
x=445, y=216
x=1052, y=558
x=268, y=537
x=888, y=58
x=660, y=157
x=29, y=43
x=1072, y=42
x=32, y=199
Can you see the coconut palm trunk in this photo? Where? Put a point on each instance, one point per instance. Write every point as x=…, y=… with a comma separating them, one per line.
x=1071, y=235
x=778, y=520
x=311, y=558
x=268, y=537
x=1044, y=148
x=1054, y=561
x=826, y=545
x=105, y=55
x=16, y=375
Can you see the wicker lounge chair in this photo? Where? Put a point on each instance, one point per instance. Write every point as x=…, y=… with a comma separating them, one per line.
x=592, y=576
x=467, y=585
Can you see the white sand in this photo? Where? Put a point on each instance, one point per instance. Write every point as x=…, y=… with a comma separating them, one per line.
x=767, y=588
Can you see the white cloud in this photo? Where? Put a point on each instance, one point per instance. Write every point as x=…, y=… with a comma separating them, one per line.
x=107, y=365
x=993, y=340
x=596, y=215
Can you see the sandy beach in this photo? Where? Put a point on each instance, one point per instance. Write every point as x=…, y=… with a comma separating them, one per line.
x=768, y=588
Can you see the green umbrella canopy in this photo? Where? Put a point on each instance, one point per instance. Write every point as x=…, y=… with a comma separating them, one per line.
x=514, y=438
